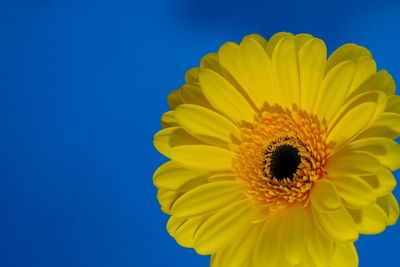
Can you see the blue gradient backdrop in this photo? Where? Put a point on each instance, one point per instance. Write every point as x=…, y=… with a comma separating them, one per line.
x=82, y=87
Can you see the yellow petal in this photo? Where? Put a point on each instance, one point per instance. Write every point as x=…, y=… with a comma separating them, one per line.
x=224, y=226
x=300, y=40
x=207, y=198
x=207, y=125
x=192, y=94
x=389, y=205
x=387, y=125
x=174, y=223
x=319, y=247
x=385, y=150
x=224, y=97
x=376, y=97
x=167, y=198
x=353, y=190
x=162, y=138
x=382, y=81
x=346, y=52
x=312, y=60
x=172, y=176
x=228, y=55
x=334, y=90
x=266, y=251
x=174, y=99
x=257, y=73
x=369, y=220
x=381, y=182
x=170, y=137
x=237, y=254
x=286, y=73
x=353, y=162
x=257, y=38
x=337, y=224
x=324, y=196
x=202, y=157
x=365, y=69
x=274, y=40
x=359, y=117
x=308, y=262
x=345, y=255
x=184, y=234
x=292, y=234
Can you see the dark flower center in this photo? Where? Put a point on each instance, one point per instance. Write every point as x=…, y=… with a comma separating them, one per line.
x=285, y=160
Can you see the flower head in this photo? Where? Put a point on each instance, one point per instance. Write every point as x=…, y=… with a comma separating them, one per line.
x=280, y=156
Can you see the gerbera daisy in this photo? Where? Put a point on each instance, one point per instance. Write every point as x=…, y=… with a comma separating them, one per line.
x=280, y=156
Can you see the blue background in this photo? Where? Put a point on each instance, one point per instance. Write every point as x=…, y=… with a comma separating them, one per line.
x=82, y=87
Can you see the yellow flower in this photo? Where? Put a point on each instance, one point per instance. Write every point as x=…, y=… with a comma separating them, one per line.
x=278, y=155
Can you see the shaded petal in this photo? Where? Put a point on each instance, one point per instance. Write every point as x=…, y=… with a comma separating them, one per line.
x=174, y=99
x=393, y=104
x=382, y=81
x=292, y=234
x=207, y=198
x=324, y=196
x=192, y=75
x=207, y=125
x=369, y=220
x=353, y=190
x=202, y=157
x=224, y=226
x=210, y=61
x=222, y=177
x=345, y=255
x=387, y=125
x=337, y=224
x=224, y=97
x=168, y=119
x=192, y=94
x=381, y=182
x=389, y=205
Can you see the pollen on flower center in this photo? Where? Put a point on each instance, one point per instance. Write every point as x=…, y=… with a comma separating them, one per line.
x=281, y=155
x=285, y=160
